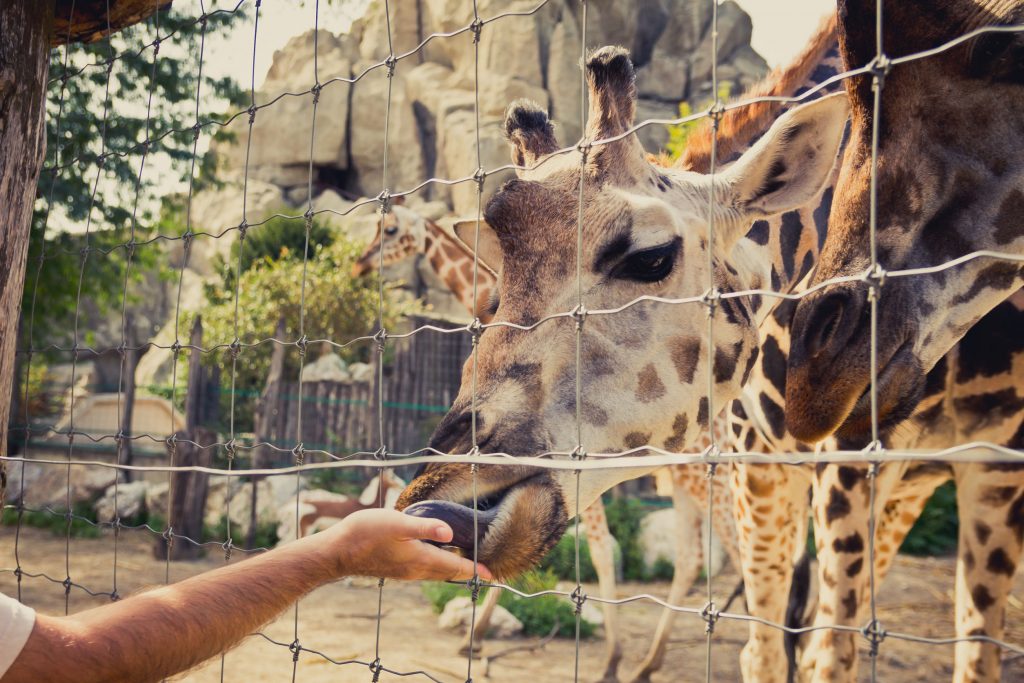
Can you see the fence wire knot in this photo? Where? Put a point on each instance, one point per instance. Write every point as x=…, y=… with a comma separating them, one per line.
x=302, y=344
x=230, y=448
x=579, y=314
x=375, y=668
x=716, y=112
x=380, y=337
x=578, y=597
x=710, y=614
x=874, y=633
x=299, y=453
x=479, y=176
x=243, y=228
x=295, y=648
x=67, y=585
x=476, y=27
x=473, y=585
x=385, y=200
x=381, y=453
x=710, y=298
x=879, y=68
x=252, y=114
x=578, y=453
x=584, y=146
x=235, y=348
x=316, y=89
x=228, y=546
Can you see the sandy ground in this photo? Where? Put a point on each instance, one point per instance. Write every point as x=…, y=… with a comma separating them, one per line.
x=339, y=621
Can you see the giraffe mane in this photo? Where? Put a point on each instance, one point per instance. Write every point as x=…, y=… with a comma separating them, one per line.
x=739, y=127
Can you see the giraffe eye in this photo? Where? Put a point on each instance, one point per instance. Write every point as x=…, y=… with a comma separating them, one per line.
x=391, y=230
x=649, y=265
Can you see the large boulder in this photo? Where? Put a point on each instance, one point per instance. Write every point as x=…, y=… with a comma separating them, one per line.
x=282, y=133
x=366, y=148
x=128, y=498
x=457, y=615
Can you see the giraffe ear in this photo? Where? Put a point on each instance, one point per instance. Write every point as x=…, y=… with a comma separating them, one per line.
x=611, y=82
x=792, y=162
x=529, y=132
x=489, y=252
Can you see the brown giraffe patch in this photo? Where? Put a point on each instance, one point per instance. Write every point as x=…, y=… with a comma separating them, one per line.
x=685, y=352
x=855, y=567
x=1000, y=563
x=850, y=604
x=982, y=531
x=1008, y=220
x=649, y=385
x=637, y=439
x=679, y=425
x=982, y=598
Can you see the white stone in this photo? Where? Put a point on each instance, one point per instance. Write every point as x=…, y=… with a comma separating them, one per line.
x=361, y=372
x=131, y=498
x=327, y=368
x=458, y=613
x=658, y=538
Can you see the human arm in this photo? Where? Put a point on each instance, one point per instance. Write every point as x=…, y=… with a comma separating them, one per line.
x=155, y=634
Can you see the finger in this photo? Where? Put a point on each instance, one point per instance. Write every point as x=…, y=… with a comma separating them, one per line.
x=426, y=529
x=444, y=565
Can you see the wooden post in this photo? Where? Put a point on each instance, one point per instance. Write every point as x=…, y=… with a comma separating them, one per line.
x=186, y=505
x=25, y=27
x=263, y=419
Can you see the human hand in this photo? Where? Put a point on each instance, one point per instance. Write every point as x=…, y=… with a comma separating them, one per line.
x=389, y=544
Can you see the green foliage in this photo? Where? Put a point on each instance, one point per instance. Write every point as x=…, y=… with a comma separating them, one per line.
x=338, y=306
x=561, y=560
x=56, y=522
x=538, y=614
x=935, y=532
x=76, y=130
x=277, y=239
x=265, y=537
x=679, y=133
x=624, y=516
x=664, y=570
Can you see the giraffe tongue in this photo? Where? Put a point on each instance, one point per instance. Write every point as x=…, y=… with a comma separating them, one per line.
x=458, y=517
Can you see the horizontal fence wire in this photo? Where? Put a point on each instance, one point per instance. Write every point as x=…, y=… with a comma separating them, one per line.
x=304, y=461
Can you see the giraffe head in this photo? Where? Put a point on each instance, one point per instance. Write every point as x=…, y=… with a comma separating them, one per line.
x=950, y=182
x=643, y=368
x=401, y=234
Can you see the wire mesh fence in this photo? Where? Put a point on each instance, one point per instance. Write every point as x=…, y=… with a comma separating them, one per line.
x=299, y=444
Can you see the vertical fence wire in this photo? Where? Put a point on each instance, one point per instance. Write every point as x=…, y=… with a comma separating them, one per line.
x=710, y=612
x=872, y=631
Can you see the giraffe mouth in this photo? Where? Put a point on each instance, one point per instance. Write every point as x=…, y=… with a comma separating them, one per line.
x=469, y=526
x=899, y=386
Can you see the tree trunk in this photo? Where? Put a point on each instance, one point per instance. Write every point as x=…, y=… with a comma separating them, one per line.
x=25, y=27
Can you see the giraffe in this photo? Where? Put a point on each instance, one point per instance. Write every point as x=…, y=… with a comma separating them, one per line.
x=403, y=234
x=958, y=409
x=640, y=223
x=950, y=181
x=444, y=482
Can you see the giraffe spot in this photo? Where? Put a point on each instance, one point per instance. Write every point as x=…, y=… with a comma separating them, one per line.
x=594, y=414
x=679, y=425
x=758, y=487
x=637, y=439
x=855, y=567
x=725, y=362
x=853, y=543
x=1000, y=563
x=969, y=560
x=773, y=364
x=748, y=441
x=838, y=505
x=649, y=385
x=685, y=352
x=850, y=604
x=775, y=415
x=982, y=531
x=849, y=476
x=751, y=359
x=1008, y=221
x=982, y=598
x=702, y=411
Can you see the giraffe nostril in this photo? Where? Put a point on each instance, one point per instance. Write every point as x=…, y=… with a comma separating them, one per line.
x=825, y=322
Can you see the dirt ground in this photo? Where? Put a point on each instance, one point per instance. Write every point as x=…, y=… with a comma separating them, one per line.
x=339, y=621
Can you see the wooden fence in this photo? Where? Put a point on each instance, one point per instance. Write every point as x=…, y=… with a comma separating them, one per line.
x=421, y=379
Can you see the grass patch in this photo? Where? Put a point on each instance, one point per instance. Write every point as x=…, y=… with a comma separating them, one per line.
x=538, y=615
x=83, y=520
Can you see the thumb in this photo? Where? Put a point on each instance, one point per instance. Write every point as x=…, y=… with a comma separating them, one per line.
x=426, y=529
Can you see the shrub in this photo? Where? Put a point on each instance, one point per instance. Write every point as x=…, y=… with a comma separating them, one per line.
x=936, y=530
x=561, y=560
x=538, y=614
x=83, y=521
x=624, y=516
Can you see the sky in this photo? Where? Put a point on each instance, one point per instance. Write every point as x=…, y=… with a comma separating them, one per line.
x=781, y=27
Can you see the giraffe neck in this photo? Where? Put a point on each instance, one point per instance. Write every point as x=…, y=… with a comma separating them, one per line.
x=453, y=263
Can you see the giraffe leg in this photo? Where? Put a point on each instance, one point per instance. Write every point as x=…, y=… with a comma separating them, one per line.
x=769, y=504
x=688, y=561
x=483, y=622
x=990, y=499
x=599, y=539
x=841, y=503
